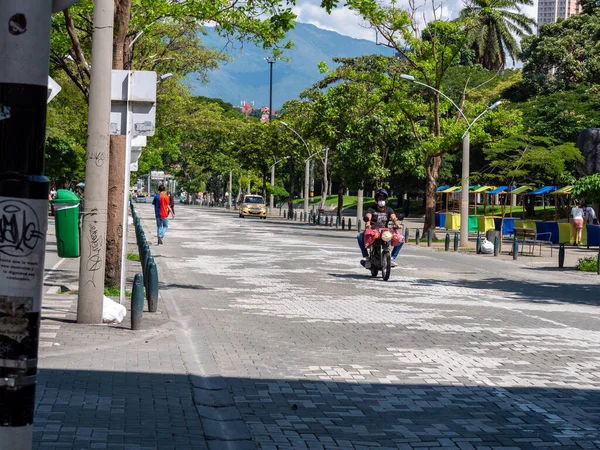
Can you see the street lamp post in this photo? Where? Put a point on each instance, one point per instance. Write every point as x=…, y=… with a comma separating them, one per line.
x=272, y=198
x=271, y=60
x=307, y=166
x=464, y=200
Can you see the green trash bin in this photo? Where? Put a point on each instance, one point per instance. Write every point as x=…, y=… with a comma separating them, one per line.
x=66, y=212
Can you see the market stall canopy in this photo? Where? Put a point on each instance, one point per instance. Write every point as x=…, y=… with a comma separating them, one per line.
x=441, y=188
x=470, y=188
x=543, y=190
x=567, y=190
x=521, y=190
x=450, y=189
x=498, y=190
x=480, y=189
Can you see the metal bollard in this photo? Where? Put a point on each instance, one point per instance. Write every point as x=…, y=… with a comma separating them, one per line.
x=496, y=246
x=417, y=236
x=343, y=223
x=478, y=244
x=406, y=235
x=515, y=248
x=337, y=221
x=326, y=221
x=561, y=256
x=456, y=242
x=152, y=292
x=349, y=224
x=429, y=237
x=295, y=215
x=447, y=242
x=280, y=211
x=137, y=301
x=358, y=225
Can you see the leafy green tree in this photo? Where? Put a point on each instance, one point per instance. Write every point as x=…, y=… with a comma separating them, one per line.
x=493, y=27
x=588, y=188
x=563, y=54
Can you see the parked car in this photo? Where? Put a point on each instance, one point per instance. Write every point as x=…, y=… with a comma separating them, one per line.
x=140, y=199
x=253, y=206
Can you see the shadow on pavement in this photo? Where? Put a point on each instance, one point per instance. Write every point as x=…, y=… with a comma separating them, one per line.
x=532, y=291
x=167, y=286
x=132, y=410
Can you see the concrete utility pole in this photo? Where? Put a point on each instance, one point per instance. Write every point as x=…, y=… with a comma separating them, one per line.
x=24, y=56
x=93, y=233
x=359, y=206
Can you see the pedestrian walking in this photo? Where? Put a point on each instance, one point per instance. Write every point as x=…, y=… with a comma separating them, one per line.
x=162, y=209
x=577, y=214
x=172, y=202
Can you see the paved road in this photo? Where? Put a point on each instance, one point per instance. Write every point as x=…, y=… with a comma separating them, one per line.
x=455, y=351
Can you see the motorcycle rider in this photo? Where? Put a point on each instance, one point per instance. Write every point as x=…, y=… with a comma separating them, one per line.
x=378, y=218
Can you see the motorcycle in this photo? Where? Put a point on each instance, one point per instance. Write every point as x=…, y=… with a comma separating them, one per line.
x=379, y=242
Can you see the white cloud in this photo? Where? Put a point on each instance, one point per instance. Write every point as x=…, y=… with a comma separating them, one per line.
x=346, y=22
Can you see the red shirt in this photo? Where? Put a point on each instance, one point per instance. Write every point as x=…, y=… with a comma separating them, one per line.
x=162, y=205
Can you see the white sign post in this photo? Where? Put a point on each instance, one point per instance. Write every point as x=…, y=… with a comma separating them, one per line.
x=133, y=114
x=53, y=89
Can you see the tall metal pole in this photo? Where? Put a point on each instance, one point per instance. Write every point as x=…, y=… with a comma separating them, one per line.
x=24, y=56
x=270, y=90
x=93, y=233
x=230, y=188
x=127, y=177
x=464, y=196
x=359, y=207
x=306, y=185
x=271, y=60
x=272, y=198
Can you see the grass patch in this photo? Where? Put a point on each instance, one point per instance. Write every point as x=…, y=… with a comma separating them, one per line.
x=589, y=264
x=109, y=292
x=133, y=257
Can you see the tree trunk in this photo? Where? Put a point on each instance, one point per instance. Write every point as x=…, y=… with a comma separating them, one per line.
x=325, y=182
x=114, y=230
x=340, y=207
x=433, y=169
x=118, y=146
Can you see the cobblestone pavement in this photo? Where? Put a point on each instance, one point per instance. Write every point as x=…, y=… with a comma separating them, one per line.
x=455, y=351
x=105, y=386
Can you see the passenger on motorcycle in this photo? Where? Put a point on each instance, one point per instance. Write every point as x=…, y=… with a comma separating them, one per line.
x=378, y=218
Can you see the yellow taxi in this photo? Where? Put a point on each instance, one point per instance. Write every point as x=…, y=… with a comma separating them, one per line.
x=253, y=206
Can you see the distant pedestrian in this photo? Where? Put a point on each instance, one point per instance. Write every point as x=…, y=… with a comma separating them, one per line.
x=406, y=206
x=172, y=202
x=577, y=214
x=162, y=209
x=589, y=215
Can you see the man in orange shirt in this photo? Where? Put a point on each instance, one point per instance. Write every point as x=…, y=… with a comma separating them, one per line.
x=162, y=209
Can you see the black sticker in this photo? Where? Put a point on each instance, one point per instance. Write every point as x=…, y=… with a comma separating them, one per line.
x=17, y=24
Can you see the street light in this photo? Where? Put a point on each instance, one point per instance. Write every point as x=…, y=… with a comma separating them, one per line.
x=464, y=200
x=272, y=198
x=271, y=60
x=306, y=168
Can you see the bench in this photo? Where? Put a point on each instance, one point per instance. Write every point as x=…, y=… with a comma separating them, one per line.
x=531, y=237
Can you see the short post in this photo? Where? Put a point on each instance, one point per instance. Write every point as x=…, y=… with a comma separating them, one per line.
x=349, y=224
x=447, y=242
x=326, y=221
x=429, y=237
x=478, y=244
x=295, y=215
x=406, y=235
x=358, y=225
x=456, y=241
x=598, y=262
x=417, y=236
x=152, y=294
x=343, y=223
x=515, y=248
x=496, y=246
x=337, y=221
x=137, y=301
x=280, y=210
x=561, y=256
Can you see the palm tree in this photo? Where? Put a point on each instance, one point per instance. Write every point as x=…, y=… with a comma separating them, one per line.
x=492, y=29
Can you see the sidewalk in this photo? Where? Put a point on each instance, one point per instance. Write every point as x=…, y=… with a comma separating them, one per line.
x=105, y=386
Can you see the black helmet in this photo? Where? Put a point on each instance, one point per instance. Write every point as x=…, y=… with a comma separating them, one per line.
x=381, y=193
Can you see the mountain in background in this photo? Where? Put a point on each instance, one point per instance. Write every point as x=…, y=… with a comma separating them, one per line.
x=247, y=77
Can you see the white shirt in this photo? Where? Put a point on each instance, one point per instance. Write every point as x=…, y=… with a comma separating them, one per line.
x=590, y=215
x=577, y=213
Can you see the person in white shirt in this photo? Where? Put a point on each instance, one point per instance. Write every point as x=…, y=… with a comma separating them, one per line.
x=577, y=213
x=589, y=215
